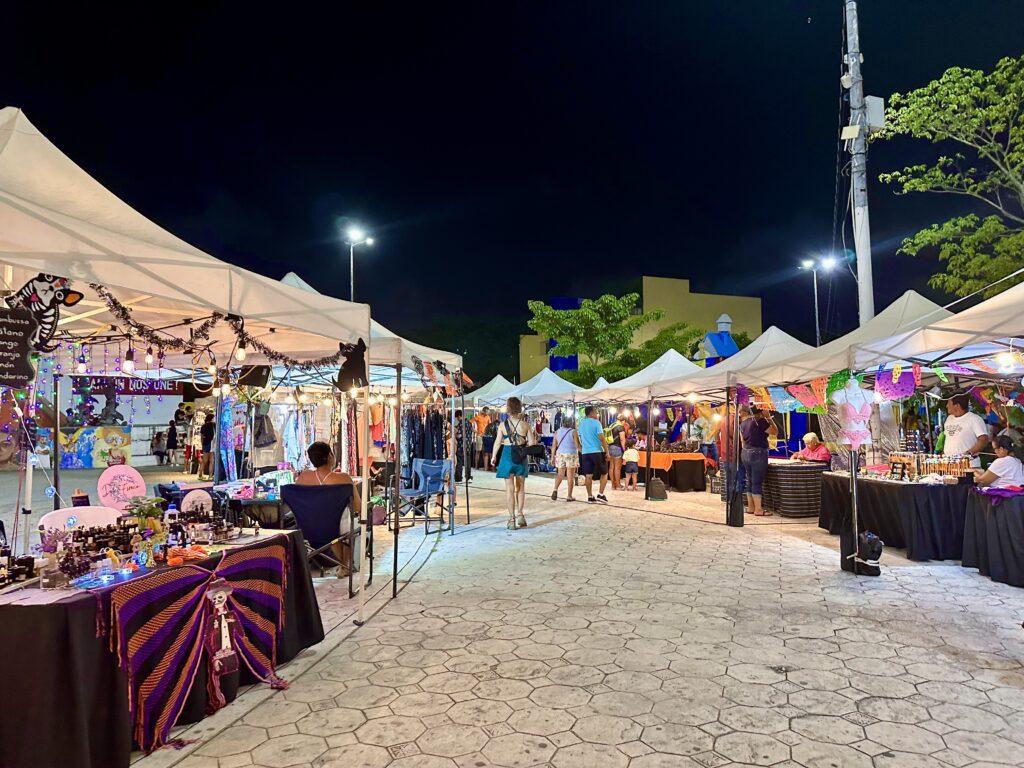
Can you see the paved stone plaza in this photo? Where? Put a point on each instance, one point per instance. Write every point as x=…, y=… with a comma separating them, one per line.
x=604, y=636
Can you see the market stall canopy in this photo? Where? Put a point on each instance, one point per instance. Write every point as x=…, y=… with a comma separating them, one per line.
x=388, y=348
x=985, y=329
x=496, y=387
x=771, y=347
x=909, y=312
x=546, y=388
x=57, y=220
x=637, y=388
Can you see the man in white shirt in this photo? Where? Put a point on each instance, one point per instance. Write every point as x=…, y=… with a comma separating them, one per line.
x=966, y=432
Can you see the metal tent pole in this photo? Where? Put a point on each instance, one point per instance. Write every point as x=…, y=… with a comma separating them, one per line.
x=733, y=443
x=364, y=462
x=451, y=512
x=465, y=464
x=56, y=441
x=650, y=442
x=396, y=495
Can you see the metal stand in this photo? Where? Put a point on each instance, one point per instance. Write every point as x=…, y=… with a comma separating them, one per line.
x=396, y=496
x=56, y=441
x=854, y=468
x=465, y=462
x=650, y=445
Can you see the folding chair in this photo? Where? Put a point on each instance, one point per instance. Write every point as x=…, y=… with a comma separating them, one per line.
x=433, y=478
x=320, y=513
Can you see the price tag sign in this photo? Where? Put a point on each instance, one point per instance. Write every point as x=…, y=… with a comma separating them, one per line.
x=17, y=327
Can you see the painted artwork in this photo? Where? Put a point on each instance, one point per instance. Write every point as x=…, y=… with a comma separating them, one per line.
x=91, y=447
x=118, y=485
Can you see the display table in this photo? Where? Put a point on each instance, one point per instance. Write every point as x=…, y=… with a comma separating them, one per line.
x=994, y=538
x=66, y=694
x=926, y=520
x=680, y=471
x=793, y=488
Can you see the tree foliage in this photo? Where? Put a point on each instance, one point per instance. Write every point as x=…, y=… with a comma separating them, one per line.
x=599, y=330
x=980, y=117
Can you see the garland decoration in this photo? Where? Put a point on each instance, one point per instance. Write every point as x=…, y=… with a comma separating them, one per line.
x=251, y=342
x=122, y=313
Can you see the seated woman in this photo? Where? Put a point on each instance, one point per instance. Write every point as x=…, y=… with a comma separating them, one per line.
x=814, y=450
x=1006, y=470
x=325, y=471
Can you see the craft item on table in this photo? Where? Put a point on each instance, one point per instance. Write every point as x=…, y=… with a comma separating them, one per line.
x=742, y=395
x=118, y=485
x=983, y=366
x=222, y=626
x=198, y=502
x=896, y=371
x=957, y=368
x=854, y=405
x=803, y=393
x=895, y=389
x=916, y=370
x=43, y=296
x=836, y=382
x=784, y=402
x=937, y=370
x=820, y=388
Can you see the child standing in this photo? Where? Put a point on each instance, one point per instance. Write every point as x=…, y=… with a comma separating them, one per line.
x=630, y=459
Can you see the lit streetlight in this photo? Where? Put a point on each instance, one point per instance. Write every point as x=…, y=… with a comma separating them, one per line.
x=825, y=264
x=355, y=236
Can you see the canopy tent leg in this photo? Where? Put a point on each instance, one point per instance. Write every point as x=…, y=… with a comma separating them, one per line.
x=56, y=443
x=854, y=468
x=396, y=495
x=465, y=463
x=650, y=445
x=454, y=487
x=364, y=512
x=733, y=511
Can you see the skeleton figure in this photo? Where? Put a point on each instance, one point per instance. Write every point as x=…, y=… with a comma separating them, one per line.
x=43, y=296
x=221, y=627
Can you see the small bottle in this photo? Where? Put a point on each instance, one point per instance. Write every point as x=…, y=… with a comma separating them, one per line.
x=256, y=528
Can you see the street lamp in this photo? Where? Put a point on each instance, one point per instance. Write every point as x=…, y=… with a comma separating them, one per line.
x=825, y=264
x=356, y=236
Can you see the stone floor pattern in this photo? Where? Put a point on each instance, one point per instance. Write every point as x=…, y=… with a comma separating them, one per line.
x=603, y=637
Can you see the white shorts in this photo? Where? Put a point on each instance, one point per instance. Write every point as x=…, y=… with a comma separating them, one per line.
x=567, y=460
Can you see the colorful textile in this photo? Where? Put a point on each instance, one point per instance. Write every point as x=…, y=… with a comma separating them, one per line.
x=896, y=371
x=895, y=389
x=957, y=368
x=836, y=382
x=983, y=366
x=820, y=388
x=803, y=393
x=784, y=402
x=941, y=374
x=742, y=395
x=916, y=370
x=762, y=397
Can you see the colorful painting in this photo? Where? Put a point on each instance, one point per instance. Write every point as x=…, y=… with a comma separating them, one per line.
x=90, y=447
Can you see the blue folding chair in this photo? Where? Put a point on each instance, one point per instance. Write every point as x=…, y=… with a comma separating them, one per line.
x=319, y=512
x=433, y=478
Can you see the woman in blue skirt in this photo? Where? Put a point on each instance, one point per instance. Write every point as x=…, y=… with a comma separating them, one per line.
x=515, y=430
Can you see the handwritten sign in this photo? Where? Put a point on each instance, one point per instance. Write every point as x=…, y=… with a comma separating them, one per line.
x=17, y=327
x=126, y=386
x=118, y=485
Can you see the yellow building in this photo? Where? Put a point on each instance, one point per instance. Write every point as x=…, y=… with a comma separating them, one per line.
x=680, y=305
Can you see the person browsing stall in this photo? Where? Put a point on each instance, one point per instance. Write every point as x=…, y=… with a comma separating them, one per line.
x=325, y=471
x=566, y=447
x=966, y=432
x=1006, y=471
x=813, y=450
x=594, y=464
x=755, y=429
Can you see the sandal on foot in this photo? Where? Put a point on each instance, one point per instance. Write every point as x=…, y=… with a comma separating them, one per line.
x=554, y=495
x=521, y=522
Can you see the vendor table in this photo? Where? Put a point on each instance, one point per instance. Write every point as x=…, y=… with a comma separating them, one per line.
x=793, y=488
x=680, y=471
x=994, y=538
x=66, y=697
x=926, y=520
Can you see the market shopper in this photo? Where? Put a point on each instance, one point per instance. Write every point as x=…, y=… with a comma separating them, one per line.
x=616, y=447
x=206, y=433
x=813, y=450
x=594, y=463
x=158, y=447
x=515, y=430
x=566, y=447
x=755, y=429
x=490, y=434
x=1006, y=470
x=481, y=422
x=631, y=463
x=172, y=442
x=966, y=432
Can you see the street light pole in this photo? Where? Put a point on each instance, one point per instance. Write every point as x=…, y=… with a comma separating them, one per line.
x=356, y=237
x=817, y=319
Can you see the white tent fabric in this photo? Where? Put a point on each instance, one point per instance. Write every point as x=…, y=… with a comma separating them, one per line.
x=56, y=219
x=771, y=347
x=546, y=388
x=909, y=312
x=636, y=388
x=388, y=348
x=985, y=329
x=496, y=387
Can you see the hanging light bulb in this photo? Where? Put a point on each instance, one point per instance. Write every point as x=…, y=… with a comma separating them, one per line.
x=692, y=397
x=656, y=411
x=128, y=366
x=717, y=417
x=225, y=389
x=392, y=401
x=81, y=367
x=240, y=352
x=300, y=396
x=212, y=369
x=1006, y=361
x=354, y=391
x=149, y=355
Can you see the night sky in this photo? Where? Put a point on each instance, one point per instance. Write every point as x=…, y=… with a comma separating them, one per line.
x=499, y=153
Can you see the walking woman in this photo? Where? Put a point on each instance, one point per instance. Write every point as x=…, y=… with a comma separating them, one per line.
x=515, y=431
x=755, y=429
x=567, y=448
x=616, y=447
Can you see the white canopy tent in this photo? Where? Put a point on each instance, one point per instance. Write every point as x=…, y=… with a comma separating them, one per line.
x=988, y=328
x=909, y=312
x=637, y=388
x=771, y=347
x=496, y=387
x=57, y=220
x=546, y=388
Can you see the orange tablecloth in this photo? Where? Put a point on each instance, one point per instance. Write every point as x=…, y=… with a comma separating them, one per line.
x=664, y=460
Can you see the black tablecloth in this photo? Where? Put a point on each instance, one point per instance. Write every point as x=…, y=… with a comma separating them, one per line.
x=994, y=538
x=686, y=475
x=926, y=520
x=793, y=488
x=65, y=697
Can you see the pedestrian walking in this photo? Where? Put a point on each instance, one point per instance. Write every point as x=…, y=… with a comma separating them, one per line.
x=567, y=448
x=594, y=464
x=515, y=432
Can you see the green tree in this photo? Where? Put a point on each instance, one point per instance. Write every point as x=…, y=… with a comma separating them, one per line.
x=597, y=331
x=978, y=115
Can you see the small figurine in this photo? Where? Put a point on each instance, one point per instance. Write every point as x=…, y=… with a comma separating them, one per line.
x=223, y=659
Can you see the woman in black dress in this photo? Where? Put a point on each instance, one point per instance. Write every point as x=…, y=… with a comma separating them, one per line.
x=172, y=442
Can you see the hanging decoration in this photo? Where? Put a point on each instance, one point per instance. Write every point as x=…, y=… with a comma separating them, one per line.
x=121, y=312
x=895, y=388
x=803, y=393
x=916, y=370
x=43, y=296
x=897, y=371
x=742, y=395
x=761, y=397
x=983, y=366
x=356, y=351
x=18, y=328
x=836, y=382
x=957, y=368
x=820, y=388
x=937, y=370
x=783, y=401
